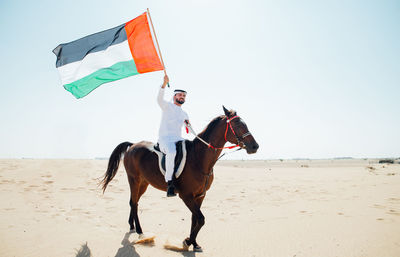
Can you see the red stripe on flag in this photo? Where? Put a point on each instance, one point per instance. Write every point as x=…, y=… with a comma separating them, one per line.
x=141, y=45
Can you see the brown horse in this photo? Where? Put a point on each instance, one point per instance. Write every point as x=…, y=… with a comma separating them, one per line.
x=142, y=168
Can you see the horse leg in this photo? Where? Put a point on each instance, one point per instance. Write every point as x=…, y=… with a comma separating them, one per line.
x=194, y=223
x=134, y=187
x=137, y=190
x=142, y=189
x=131, y=216
x=198, y=221
x=198, y=201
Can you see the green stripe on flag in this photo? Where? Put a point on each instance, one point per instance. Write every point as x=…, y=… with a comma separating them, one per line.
x=84, y=86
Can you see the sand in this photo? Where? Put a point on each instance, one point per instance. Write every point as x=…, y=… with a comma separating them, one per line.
x=254, y=208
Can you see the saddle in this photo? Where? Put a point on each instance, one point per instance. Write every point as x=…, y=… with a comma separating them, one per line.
x=180, y=158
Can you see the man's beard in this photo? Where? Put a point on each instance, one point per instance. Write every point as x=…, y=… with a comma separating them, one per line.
x=180, y=101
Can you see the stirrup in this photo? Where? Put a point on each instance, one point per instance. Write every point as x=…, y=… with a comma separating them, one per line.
x=171, y=189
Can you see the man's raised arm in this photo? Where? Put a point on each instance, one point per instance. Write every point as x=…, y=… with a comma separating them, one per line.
x=160, y=99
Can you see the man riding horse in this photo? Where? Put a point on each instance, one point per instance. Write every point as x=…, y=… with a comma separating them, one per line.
x=172, y=119
x=142, y=166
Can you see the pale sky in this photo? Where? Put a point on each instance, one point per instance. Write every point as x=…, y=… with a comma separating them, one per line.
x=312, y=79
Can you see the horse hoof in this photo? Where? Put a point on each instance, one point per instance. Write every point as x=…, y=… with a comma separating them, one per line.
x=197, y=249
x=185, y=245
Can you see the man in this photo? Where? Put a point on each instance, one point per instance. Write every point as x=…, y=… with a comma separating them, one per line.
x=172, y=119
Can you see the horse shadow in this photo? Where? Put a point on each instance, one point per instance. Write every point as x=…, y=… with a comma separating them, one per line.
x=127, y=249
x=189, y=254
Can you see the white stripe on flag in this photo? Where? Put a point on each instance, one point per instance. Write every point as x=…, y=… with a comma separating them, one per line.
x=95, y=61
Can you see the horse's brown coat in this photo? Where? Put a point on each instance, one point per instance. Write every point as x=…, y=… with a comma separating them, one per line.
x=142, y=169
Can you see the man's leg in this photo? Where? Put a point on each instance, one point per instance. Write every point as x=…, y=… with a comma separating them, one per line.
x=169, y=165
x=170, y=152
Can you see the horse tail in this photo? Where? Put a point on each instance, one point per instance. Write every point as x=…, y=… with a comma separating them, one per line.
x=113, y=163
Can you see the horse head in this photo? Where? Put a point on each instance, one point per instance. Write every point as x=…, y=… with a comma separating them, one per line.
x=238, y=133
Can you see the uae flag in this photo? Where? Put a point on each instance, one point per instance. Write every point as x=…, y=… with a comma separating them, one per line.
x=106, y=56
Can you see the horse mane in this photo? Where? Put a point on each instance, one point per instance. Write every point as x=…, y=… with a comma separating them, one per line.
x=205, y=134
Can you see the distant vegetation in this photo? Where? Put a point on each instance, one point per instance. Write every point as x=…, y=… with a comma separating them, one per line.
x=386, y=161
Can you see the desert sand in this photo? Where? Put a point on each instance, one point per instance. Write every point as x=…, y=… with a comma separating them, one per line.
x=254, y=208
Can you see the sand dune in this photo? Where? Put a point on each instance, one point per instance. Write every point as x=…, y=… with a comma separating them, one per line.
x=254, y=208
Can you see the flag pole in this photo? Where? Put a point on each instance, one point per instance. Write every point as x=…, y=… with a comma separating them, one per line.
x=158, y=46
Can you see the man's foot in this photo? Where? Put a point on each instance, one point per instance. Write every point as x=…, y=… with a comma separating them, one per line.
x=171, y=189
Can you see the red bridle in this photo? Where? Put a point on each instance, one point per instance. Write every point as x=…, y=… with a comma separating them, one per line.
x=228, y=124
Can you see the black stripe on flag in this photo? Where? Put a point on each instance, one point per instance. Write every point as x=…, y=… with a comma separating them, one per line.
x=76, y=50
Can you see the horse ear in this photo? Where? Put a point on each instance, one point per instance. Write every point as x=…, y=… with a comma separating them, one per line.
x=227, y=113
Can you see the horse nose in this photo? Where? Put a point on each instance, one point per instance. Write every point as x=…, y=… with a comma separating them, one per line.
x=255, y=147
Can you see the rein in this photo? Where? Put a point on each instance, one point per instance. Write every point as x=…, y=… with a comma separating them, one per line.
x=228, y=124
